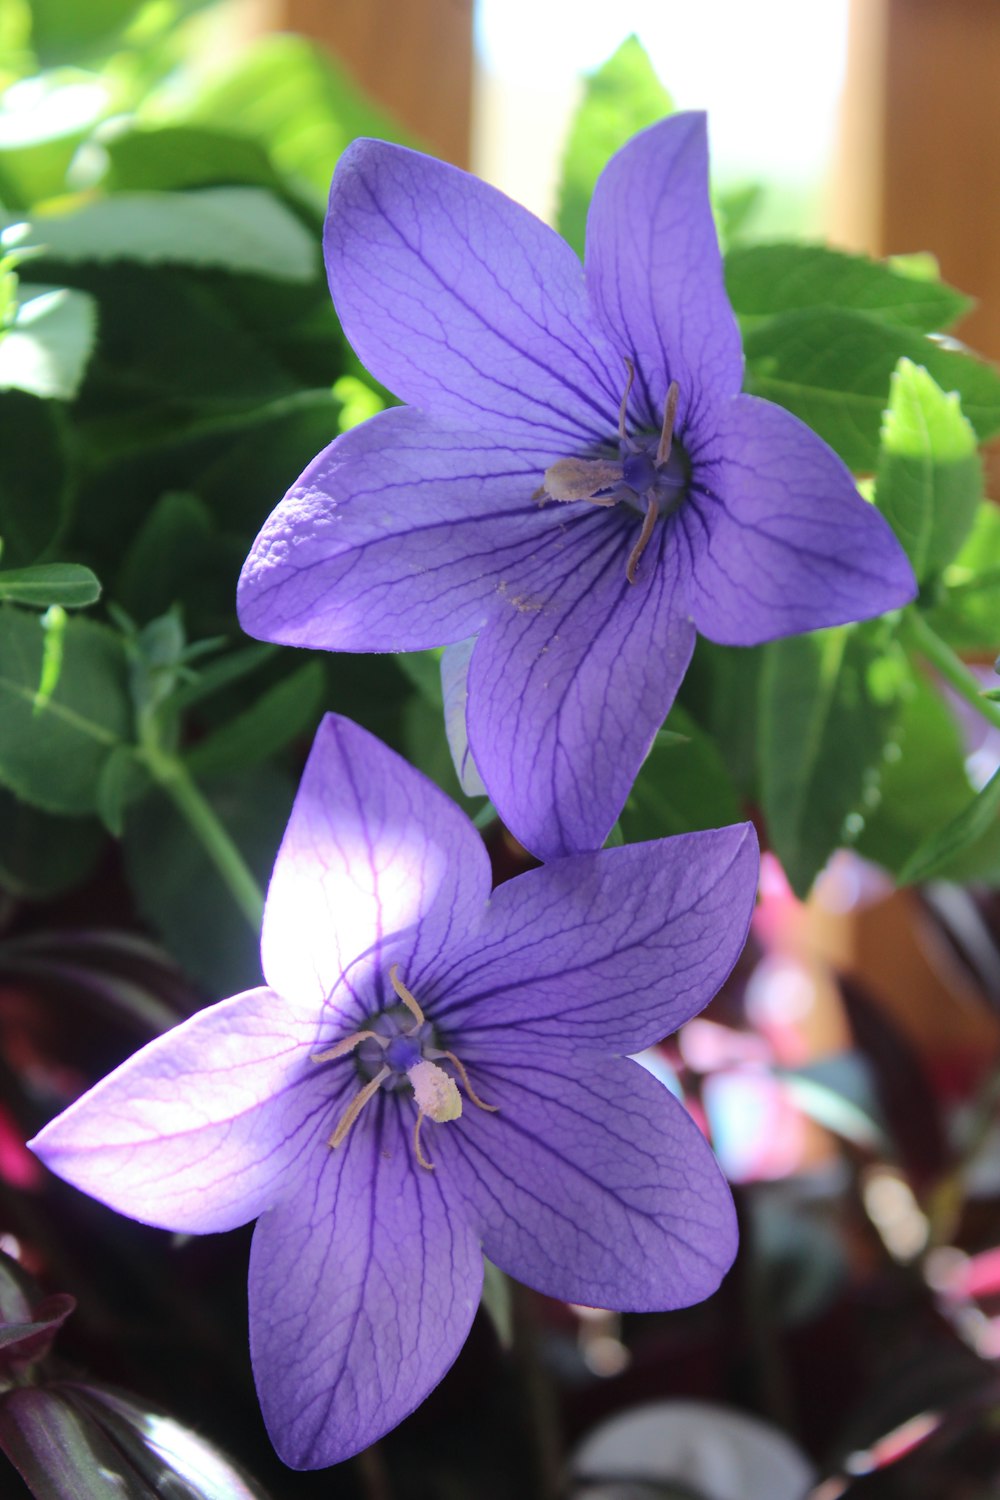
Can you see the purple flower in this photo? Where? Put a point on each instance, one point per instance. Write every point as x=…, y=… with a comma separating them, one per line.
x=434, y=1071
x=577, y=482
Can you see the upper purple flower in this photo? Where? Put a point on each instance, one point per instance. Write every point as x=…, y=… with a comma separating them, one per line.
x=432, y=1070
x=577, y=480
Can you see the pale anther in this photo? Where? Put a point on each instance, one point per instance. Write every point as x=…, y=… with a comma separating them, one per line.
x=403, y=993
x=460, y=1067
x=648, y=522
x=667, y=430
x=356, y=1105
x=341, y=1049
x=623, y=435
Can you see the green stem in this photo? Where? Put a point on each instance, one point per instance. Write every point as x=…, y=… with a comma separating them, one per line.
x=210, y=833
x=952, y=668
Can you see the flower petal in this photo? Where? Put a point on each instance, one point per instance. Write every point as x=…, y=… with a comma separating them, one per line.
x=616, y=949
x=377, y=865
x=571, y=679
x=780, y=539
x=455, y=692
x=393, y=538
x=462, y=302
x=654, y=271
x=363, y=1287
x=591, y=1182
x=197, y=1131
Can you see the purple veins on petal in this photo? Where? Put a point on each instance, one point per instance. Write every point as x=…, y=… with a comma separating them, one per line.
x=576, y=437
x=404, y=1094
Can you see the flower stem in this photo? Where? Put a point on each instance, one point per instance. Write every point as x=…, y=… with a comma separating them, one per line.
x=954, y=671
x=216, y=841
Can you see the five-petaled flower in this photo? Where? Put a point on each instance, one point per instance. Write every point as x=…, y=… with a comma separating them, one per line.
x=576, y=481
x=432, y=1071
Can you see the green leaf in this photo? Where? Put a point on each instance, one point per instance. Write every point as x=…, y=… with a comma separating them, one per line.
x=170, y=158
x=289, y=95
x=69, y=584
x=683, y=785
x=122, y=780
x=936, y=855
x=53, y=756
x=765, y=280
x=46, y=349
x=423, y=670
x=622, y=97
x=966, y=606
x=179, y=891
x=829, y=706
x=42, y=855
x=43, y=122
x=167, y=556
x=923, y=784
x=285, y=712
x=241, y=229
x=63, y=29
x=833, y=368
x=34, y=476
x=929, y=479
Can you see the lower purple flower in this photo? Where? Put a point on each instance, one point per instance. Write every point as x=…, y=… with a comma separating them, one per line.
x=433, y=1072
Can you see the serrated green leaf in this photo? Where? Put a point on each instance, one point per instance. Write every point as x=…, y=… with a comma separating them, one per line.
x=179, y=891
x=42, y=855
x=829, y=706
x=289, y=709
x=929, y=479
x=833, y=368
x=289, y=95
x=166, y=556
x=923, y=783
x=69, y=584
x=683, y=785
x=622, y=97
x=966, y=608
x=170, y=158
x=34, y=476
x=240, y=229
x=122, y=780
x=46, y=349
x=936, y=855
x=765, y=280
x=423, y=670
x=53, y=756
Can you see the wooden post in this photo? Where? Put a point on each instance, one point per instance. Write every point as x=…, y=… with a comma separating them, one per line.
x=413, y=57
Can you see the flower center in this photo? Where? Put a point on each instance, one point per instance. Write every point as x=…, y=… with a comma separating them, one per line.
x=397, y=1051
x=651, y=474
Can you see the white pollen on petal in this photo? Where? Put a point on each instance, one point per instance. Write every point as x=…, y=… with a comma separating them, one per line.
x=435, y=1091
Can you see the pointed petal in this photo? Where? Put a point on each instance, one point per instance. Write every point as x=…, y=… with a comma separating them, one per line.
x=462, y=302
x=571, y=679
x=654, y=271
x=197, y=1131
x=780, y=539
x=455, y=661
x=617, y=949
x=394, y=537
x=591, y=1182
x=363, y=1288
x=377, y=865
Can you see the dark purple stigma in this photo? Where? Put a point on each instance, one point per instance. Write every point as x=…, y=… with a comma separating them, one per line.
x=639, y=472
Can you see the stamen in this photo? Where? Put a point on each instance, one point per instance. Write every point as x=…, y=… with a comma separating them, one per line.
x=463, y=1075
x=341, y=1049
x=356, y=1105
x=624, y=406
x=581, y=479
x=648, y=522
x=417, y=1148
x=667, y=430
x=404, y=995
